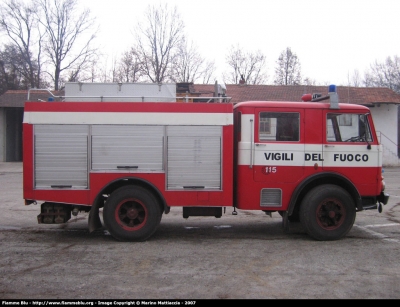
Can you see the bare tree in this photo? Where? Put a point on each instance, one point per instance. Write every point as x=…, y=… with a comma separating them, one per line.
x=12, y=66
x=208, y=75
x=385, y=74
x=288, y=70
x=18, y=20
x=93, y=73
x=66, y=44
x=3, y=78
x=309, y=81
x=129, y=67
x=189, y=66
x=10, y=76
x=109, y=73
x=158, y=41
x=89, y=74
x=245, y=67
x=354, y=79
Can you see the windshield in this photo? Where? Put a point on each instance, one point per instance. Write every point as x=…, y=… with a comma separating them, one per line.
x=348, y=128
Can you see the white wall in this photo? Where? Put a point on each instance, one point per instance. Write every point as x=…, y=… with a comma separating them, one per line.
x=385, y=119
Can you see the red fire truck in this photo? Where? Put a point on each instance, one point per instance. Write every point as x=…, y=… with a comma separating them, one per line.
x=317, y=161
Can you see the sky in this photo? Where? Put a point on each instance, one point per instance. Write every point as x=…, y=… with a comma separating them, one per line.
x=331, y=39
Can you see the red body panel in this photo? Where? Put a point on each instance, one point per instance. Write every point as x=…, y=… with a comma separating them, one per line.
x=99, y=180
x=247, y=180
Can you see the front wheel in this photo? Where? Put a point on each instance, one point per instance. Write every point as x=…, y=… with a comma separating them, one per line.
x=131, y=213
x=327, y=212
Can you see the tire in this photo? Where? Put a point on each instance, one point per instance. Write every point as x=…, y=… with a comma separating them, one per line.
x=131, y=213
x=294, y=218
x=327, y=212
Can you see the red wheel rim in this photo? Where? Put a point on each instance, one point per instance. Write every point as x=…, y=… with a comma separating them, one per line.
x=331, y=214
x=131, y=214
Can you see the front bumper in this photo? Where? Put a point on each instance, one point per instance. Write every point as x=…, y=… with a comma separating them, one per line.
x=383, y=198
x=369, y=203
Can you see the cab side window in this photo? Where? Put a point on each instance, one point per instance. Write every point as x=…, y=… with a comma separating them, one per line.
x=279, y=127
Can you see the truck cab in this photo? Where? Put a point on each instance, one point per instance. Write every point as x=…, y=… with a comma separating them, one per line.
x=291, y=153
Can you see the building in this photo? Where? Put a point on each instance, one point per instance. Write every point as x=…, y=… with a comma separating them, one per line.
x=383, y=103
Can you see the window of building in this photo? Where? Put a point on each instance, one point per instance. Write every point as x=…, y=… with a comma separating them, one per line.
x=279, y=126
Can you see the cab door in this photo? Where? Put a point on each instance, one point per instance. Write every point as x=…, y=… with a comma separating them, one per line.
x=278, y=145
x=350, y=147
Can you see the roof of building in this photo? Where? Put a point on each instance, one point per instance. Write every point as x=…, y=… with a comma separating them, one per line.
x=18, y=98
x=357, y=95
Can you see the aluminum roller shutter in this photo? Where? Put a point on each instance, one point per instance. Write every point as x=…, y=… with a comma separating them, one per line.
x=61, y=156
x=194, y=157
x=118, y=146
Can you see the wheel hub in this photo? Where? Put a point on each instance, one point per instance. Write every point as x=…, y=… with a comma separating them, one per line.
x=332, y=214
x=132, y=213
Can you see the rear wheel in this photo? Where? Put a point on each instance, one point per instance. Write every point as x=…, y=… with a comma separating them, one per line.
x=131, y=213
x=327, y=212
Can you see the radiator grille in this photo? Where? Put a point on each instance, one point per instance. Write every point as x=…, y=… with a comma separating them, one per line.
x=271, y=198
